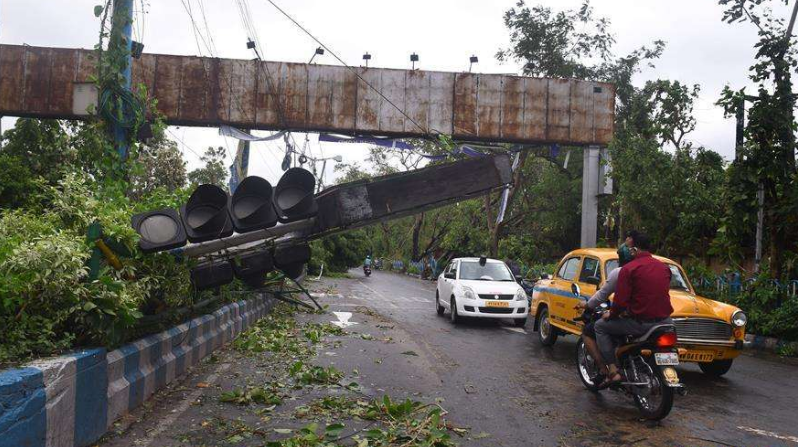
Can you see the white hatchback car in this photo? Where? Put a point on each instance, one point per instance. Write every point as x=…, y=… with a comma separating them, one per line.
x=480, y=287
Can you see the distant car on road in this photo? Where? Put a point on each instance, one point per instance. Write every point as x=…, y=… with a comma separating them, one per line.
x=481, y=288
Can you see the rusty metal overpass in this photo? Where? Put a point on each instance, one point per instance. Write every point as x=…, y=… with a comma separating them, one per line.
x=201, y=91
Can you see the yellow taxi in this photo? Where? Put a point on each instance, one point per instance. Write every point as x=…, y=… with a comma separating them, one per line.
x=709, y=332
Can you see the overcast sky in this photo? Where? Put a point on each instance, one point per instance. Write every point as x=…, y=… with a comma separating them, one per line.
x=700, y=48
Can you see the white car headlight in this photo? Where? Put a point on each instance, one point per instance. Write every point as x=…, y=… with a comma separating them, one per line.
x=520, y=295
x=468, y=293
x=739, y=318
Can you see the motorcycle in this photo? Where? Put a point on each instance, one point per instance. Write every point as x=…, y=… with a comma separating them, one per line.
x=367, y=270
x=646, y=363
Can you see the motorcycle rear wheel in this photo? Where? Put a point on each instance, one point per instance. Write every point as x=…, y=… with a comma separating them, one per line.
x=657, y=405
x=586, y=367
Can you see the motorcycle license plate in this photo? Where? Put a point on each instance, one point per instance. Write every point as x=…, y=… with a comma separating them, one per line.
x=497, y=304
x=666, y=358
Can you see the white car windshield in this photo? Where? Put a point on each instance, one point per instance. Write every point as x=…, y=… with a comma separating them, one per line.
x=491, y=271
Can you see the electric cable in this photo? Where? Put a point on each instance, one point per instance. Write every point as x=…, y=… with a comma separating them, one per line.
x=335, y=55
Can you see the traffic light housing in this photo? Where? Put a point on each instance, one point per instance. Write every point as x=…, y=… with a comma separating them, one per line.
x=253, y=267
x=294, y=196
x=210, y=275
x=291, y=259
x=205, y=215
x=251, y=205
x=160, y=230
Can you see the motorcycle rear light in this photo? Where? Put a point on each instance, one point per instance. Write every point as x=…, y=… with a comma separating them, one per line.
x=667, y=340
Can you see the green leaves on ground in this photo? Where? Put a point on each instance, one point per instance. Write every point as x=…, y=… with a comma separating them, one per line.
x=257, y=395
x=314, y=375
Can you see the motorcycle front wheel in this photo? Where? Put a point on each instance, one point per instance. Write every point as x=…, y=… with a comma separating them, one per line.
x=586, y=366
x=656, y=400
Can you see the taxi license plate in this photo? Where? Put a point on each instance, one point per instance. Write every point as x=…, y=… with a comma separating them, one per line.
x=666, y=358
x=497, y=304
x=697, y=356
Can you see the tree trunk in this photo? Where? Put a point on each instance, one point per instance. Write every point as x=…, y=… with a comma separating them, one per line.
x=416, y=231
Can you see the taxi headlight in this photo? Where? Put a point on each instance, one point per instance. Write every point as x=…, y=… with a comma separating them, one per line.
x=520, y=295
x=739, y=318
x=468, y=293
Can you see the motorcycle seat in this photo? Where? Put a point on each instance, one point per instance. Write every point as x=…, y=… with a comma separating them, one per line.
x=648, y=333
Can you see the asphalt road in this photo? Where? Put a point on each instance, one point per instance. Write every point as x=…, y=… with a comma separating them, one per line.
x=499, y=380
x=492, y=378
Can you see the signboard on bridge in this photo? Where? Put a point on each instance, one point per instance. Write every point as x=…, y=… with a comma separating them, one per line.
x=199, y=91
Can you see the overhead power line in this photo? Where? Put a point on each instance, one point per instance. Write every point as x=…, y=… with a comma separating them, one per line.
x=335, y=55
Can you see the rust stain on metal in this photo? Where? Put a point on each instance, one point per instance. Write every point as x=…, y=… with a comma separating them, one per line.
x=36, y=81
x=441, y=102
x=559, y=110
x=417, y=100
x=512, y=111
x=489, y=106
x=62, y=72
x=194, y=88
x=12, y=81
x=393, y=88
x=465, y=105
x=167, y=85
x=536, y=112
x=368, y=100
x=320, y=92
x=143, y=73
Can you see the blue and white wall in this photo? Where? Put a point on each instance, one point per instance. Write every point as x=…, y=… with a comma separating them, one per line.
x=71, y=401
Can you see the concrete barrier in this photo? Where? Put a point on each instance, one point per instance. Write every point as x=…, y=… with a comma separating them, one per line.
x=72, y=400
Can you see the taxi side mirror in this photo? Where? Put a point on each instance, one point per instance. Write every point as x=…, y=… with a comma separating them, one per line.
x=545, y=276
x=576, y=290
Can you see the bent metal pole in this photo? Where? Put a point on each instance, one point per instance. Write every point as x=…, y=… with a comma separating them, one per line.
x=204, y=248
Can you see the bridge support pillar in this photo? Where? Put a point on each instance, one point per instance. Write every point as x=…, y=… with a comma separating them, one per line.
x=590, y=190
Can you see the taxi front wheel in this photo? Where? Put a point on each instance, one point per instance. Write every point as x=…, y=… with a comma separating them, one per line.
x=546, y=332
x=716, y=368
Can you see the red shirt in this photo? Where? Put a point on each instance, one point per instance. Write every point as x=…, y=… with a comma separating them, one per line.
x=643, y=289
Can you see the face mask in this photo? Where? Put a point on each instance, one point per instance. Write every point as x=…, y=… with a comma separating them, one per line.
x=624, y=255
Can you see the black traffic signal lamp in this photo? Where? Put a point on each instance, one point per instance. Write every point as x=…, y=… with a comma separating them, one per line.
x=251, y=205
x=211, y=213
x=291, y=259
x=293, y=196
x=205, y=215
x=159, y=230
x=212, y=274
x=253, y=267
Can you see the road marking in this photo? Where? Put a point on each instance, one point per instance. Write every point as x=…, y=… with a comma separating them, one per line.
x=514, y=329
x=769, y=434
x=169, y=421
x=343, y=319
x=387, y=300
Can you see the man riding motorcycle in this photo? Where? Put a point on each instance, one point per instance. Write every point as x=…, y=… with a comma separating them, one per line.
x=602, y=296
x=642, y=300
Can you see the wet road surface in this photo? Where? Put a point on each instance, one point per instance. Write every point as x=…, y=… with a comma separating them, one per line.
x=492, y=378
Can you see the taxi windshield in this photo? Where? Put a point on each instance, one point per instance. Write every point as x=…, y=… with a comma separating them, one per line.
x=491, y=271
x=678, y=281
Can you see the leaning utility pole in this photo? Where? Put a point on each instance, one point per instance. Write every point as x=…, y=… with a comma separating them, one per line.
x=122, y=40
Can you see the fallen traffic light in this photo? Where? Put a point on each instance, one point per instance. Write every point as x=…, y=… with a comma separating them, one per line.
x=212, y=274
x=252, y=268
x=159, y=230
x=251, y=205
x=293, y=196
x=291, y=259
x=205, y=214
